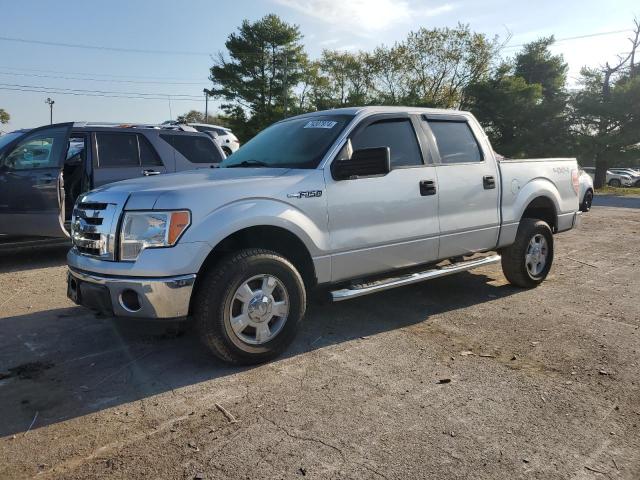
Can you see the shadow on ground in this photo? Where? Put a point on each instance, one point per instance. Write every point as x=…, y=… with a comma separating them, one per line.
x=66, y=363
x=16, y=260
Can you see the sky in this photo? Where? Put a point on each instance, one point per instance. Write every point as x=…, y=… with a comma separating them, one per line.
x=173, y=40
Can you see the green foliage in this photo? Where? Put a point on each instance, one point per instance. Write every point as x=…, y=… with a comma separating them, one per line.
x=500, y=104
x=4, y=116
x=607, y=127
x=194, y=116
x=251, y=80
x=523, y=104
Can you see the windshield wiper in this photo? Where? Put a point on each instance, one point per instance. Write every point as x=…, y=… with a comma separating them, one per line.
x=248, y=163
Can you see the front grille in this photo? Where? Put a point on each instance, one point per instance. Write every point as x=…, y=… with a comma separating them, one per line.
x=92, y=229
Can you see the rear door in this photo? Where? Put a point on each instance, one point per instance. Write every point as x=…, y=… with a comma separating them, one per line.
x=123, y=155
x=31, y=184
x=468, y=185
x=193, y=150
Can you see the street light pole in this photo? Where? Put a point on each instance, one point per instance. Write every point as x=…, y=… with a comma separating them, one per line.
x=206, y=105
x=50, y=102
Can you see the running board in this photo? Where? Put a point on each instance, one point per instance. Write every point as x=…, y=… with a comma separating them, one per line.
x=386, y=284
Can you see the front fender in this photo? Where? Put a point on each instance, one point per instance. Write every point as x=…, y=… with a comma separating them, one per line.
x=310, y=226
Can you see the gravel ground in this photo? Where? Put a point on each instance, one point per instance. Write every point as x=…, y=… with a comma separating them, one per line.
x=461, y=377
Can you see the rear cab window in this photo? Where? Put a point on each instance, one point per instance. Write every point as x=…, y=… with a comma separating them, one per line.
x=195, y=148
x=456, y=142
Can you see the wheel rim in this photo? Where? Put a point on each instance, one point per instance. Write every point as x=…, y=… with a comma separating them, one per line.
x=536, y=256
x=259, y=309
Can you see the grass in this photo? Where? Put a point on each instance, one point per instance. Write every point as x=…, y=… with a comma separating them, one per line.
x=618, y=191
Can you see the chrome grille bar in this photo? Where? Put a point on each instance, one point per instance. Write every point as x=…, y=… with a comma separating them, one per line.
x=93, y=228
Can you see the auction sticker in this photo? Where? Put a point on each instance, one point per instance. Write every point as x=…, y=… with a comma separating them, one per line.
x=320, y=124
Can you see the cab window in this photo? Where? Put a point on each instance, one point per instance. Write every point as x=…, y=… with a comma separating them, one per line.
x=456, y=142
x=398, y=135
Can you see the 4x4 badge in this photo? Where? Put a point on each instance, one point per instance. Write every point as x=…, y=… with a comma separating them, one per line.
x=306, y=194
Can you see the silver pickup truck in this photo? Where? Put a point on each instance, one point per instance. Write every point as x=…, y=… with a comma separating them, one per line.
x=354, y=200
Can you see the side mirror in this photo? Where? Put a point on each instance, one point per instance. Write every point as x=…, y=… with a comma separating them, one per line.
x=366, y=162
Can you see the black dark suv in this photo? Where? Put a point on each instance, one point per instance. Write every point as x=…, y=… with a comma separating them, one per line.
x=44, y=170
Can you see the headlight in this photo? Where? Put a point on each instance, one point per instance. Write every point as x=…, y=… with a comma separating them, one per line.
x=142, y=230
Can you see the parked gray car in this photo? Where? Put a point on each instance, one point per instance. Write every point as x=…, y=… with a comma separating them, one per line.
x=43, y=171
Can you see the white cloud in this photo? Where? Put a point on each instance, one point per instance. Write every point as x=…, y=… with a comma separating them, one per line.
x=367, y=15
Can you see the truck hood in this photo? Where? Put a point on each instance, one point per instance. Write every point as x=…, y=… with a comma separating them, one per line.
x=144, y=192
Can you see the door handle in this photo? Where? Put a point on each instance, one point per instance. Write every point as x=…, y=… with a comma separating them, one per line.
x=488, y=182
x=149, y=173
x=427, y=187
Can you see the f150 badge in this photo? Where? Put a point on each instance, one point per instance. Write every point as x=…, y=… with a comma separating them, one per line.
x=305, y=194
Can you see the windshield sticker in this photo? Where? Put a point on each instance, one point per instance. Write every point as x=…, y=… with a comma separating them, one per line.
x=320, y=124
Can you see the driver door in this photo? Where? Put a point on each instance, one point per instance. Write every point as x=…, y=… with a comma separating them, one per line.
x=382, y=223
x=31, y=184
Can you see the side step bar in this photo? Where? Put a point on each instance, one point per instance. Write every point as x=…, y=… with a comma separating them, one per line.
x=386, y=284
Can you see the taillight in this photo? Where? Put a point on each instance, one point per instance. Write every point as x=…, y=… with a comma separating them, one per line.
x=575, y=180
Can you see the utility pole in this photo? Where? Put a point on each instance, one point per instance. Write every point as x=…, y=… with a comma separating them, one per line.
x=50, y=102
x=285, y=91
x=206, y=105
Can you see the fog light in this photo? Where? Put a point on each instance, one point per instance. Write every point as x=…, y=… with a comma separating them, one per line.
x=130, y=301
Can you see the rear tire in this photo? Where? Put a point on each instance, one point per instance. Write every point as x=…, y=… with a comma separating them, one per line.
x=249, y=306
x=615, y=183
x=585, y=206
x=527, y=262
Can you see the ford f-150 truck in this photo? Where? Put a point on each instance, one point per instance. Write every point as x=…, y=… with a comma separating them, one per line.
x=353, y=200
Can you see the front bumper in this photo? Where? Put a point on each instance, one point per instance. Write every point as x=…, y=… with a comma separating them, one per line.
x=145, y=298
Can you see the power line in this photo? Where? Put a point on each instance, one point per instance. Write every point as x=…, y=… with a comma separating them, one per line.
x=566, y=39
x=122, y=49
x=196, y=53
x=93, y=74
x=52, y=92
x=108, y=80
x=104, y=48
x=80, y=90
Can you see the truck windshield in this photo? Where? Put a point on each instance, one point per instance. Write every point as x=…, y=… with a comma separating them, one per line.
x=294, y=143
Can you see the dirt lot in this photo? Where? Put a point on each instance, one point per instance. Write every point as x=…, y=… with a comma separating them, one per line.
x=549, y=390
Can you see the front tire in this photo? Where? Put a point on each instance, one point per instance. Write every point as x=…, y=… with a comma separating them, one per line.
x=587, y=201
x=249, y=306
x=615, y=183
x=527, y=262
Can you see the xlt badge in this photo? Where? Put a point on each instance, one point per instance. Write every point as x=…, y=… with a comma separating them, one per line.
x=305, y=194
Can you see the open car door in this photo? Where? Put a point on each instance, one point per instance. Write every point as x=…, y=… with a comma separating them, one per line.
x=31, y=183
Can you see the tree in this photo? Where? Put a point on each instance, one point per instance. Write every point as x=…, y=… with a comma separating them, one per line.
x=499, y=104
x=442, y=62
x=256, y=81
x=348, y=76
x=4, y=116
x=538, y=66
x=606, y=111
x=194, y=116
x=523, y=104
x=389, y=74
